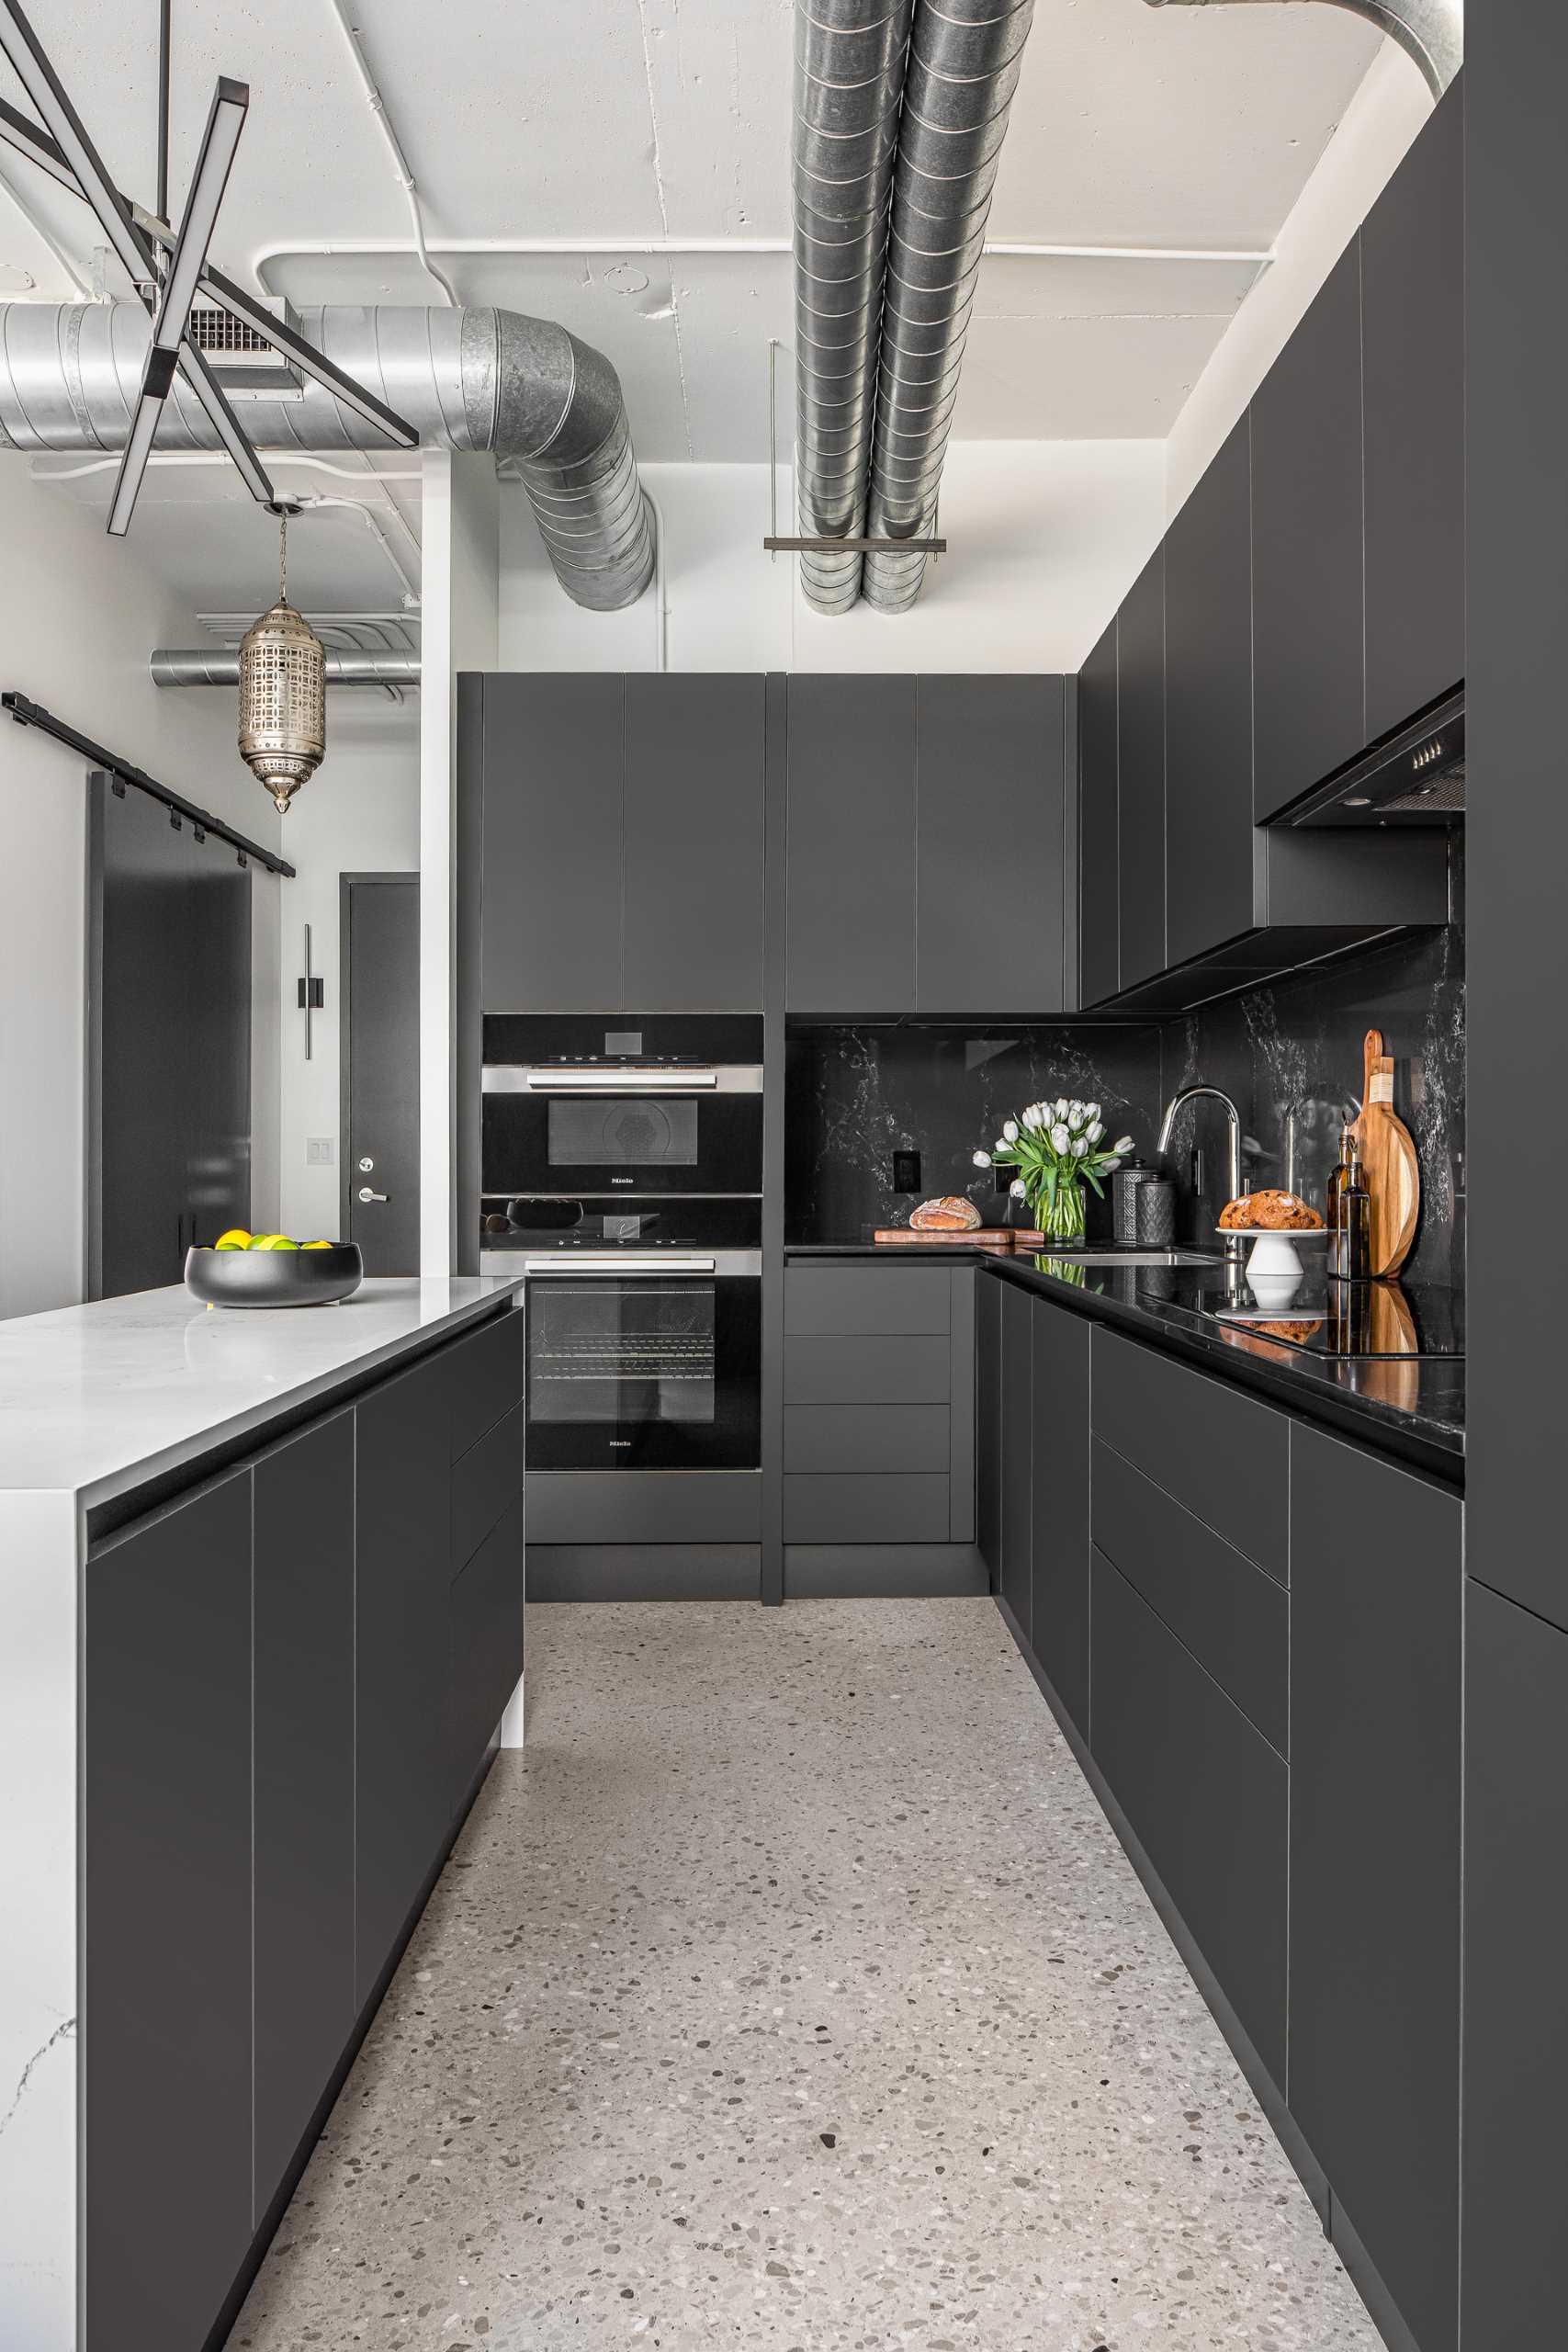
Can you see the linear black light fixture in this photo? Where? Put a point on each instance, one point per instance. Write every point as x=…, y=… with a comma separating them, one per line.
x=64, y=150
x=123, y=771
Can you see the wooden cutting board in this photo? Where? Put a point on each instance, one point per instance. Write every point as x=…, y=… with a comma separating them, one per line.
x=977, y=1237
x=1389, y=1157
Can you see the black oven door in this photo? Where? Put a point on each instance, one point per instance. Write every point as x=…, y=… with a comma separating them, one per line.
x=653, y=1369
x=545, y=1134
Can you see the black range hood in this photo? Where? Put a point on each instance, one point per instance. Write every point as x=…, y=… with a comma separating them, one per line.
x=1413, y=777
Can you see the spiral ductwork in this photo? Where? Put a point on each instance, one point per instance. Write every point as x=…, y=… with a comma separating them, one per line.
x=849, y=77
x=1431, y=31
x=547, y=406
x=964, y=60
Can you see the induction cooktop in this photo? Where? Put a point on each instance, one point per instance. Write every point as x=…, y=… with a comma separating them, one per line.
x=1323, y=1318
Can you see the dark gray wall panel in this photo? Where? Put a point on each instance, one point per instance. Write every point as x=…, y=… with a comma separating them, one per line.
x=693, y=843
x=1141, y=775
x=303, y=1812
x=847, y=1371
x=166, y=2036
x=1059, y=1588
x=553, y=774
x=1207, y=710
x=1222, y=1454
x=1233, y=1619
x=877, y=1301
x=850, y=923
x=1375, y=1794
x=866, y=1437
x=1100, y=951
x=894, y=1508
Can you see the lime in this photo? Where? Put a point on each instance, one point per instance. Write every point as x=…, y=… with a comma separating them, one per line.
x=273, y=1241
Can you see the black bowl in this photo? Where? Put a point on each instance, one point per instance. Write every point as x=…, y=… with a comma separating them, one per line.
x=275, y=1277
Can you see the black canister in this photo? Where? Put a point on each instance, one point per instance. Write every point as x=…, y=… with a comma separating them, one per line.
x=1124, y=1186
x=1155, y=1205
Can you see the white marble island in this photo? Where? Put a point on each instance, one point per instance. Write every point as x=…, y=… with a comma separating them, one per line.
x=136, y=1414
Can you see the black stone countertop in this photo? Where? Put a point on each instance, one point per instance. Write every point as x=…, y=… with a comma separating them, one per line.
x=1413, y=1408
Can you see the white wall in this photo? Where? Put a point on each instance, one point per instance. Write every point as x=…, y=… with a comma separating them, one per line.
x=1045, y=536
x=358, y=815
x=79, y=614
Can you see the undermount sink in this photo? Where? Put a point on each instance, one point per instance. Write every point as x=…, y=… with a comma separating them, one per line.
x=1134, y=1256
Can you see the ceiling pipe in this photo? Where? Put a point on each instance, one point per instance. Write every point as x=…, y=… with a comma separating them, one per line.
x=965, y=60
x=200, y=665
x=1430, y=31
x=469, y=380
x=849, y=78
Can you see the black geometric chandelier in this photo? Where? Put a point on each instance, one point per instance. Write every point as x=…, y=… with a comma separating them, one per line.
x=168, y=268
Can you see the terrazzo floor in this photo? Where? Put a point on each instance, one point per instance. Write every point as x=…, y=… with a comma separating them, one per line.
x=791, y=1992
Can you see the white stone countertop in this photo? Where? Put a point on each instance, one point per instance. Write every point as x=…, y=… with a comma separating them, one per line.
x=96, y=1398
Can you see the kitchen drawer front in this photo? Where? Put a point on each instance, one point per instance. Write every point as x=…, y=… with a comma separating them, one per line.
x=485, y=1482
x=882, y=1371
x=486, y=1374
x=1206, y=1797
x=902, y=1507
x=1222, y=1456
x=1233, y=1619
x=869, y=1302
x=856, y=1438
x=487, y=1642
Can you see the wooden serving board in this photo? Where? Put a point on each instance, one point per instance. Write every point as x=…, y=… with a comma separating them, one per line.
x=1389, y=1157
x=977, y=1237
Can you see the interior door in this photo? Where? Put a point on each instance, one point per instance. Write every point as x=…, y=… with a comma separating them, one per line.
x=379, y=930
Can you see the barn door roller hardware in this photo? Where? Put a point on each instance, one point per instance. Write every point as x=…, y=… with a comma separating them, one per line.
x=167, y=266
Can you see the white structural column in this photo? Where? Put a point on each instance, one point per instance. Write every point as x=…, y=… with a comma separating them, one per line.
x=460, y=600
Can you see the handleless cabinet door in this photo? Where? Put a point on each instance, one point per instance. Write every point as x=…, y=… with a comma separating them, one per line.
x=988, y=1425
x=402, y=1635
x=1060, y=1531
x=693, y=939
x=1412, y=353
x=166, y=2045
x=850, y=928
x=304, y=1783
x=1516, y=2023
x=1140, y=880
x=1208, y=708
x=1375, y=1796
x=1306, y=549
x=1099, y=826
x=1017, y=1454
x=552, y=846
x=988, y=845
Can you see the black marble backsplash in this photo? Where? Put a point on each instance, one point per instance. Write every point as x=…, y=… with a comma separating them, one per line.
x=856, y=1095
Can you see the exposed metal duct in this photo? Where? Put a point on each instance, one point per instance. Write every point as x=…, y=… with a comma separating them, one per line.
x=964, y=59
x=469, y=380
x=1431, y=31
x=200, y=665
x=849, y=75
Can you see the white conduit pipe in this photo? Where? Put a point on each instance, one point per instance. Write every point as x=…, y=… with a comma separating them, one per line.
x=1015, y=248
x=400, y=164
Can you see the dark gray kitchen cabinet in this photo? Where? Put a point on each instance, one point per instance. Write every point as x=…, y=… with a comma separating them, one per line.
x=487, y=1642
x=1018, y=1454
x=1058, y=1616
x=988, y=1425
x=402, y=1632
x=1514, y=2271
x=1413, y=395
x=850, y=924
x=303, y=1810
x=1208, y=708
x=692, y=929
x=167, y=1961
x=1100, y=951
x=1308, y=603
x=990, y=836
x=552, y=849
x=1375, y=1796
x=1141, y=787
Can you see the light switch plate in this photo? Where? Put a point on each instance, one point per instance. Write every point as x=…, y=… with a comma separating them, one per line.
x=318, y=1151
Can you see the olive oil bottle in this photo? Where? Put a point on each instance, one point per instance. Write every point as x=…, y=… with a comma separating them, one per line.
x=1349, y=1215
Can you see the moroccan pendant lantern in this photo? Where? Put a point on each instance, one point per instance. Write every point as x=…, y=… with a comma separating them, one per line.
x=283, y=691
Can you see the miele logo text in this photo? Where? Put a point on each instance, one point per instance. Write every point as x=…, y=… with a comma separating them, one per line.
x=622, y=1441
x=620, y=1179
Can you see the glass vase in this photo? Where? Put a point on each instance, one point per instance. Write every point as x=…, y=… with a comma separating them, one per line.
x=1060, y=1215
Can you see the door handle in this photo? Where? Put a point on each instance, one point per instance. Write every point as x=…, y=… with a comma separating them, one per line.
x=367, y=1194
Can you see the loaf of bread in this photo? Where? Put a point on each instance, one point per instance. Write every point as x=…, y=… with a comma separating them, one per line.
x=949, y=1215
x=1269, y=1211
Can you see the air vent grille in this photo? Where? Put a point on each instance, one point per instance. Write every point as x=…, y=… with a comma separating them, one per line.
x=215, y=330
x=241, y=359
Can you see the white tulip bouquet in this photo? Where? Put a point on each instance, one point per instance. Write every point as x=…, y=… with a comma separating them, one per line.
x=1056, y=1147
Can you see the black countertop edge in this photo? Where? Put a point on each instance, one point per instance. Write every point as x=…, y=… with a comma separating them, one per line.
x=1429, y=1436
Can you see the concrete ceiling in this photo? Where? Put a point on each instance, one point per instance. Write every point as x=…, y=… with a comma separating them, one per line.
x=636, y=151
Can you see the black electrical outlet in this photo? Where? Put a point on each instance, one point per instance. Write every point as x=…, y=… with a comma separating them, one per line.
x=905, y=1171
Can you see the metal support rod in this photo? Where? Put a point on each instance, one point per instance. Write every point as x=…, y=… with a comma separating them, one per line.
x=773, y=445
x=855, y=547
x=32, y=714
x=163, y=7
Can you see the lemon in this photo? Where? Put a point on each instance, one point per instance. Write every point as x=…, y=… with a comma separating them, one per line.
x=235, y=1239
x=315, y=1245
x=273, y=1241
